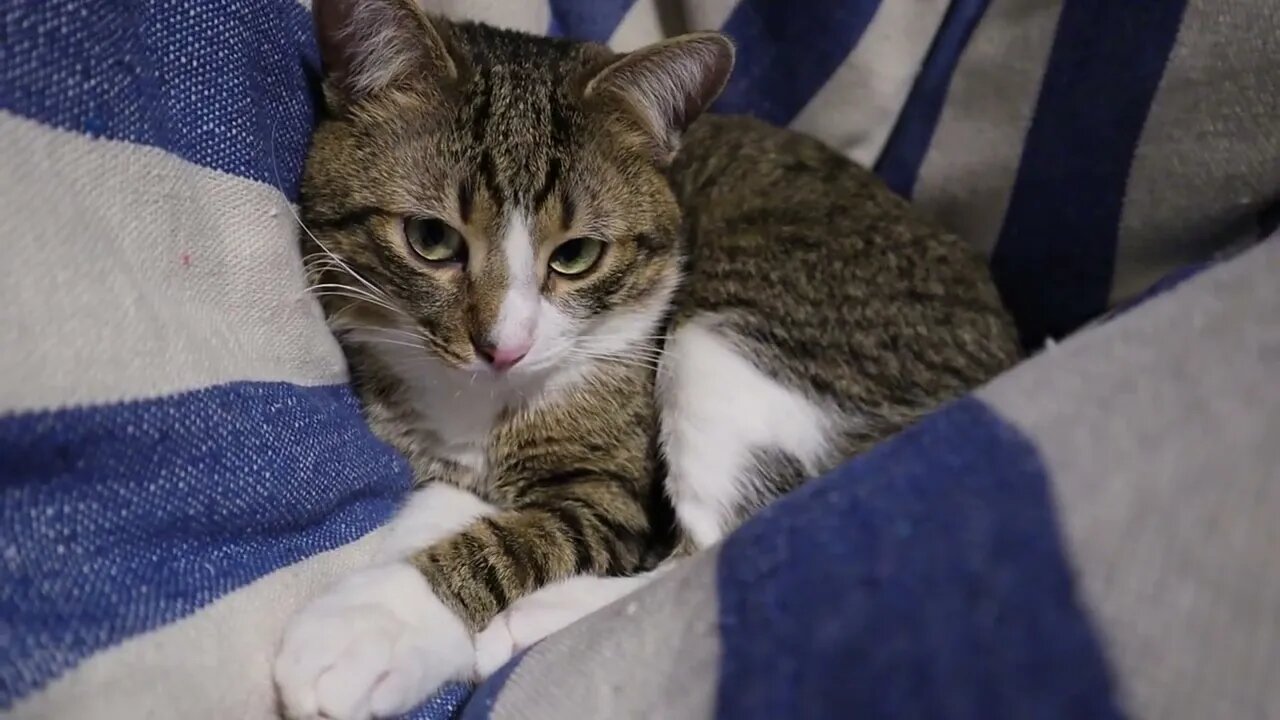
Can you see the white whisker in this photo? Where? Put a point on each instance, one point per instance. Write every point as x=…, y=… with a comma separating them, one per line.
x=615, y=354
x=362, y=298
x=321, y=286
x=652, y=364
x=347, y=288
x=385, y=341
x=341, y=263
x=399, y=331
x=275, y=167
x=623, y=337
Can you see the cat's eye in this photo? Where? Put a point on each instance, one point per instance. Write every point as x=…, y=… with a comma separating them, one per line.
x=576, y=256
x=434, y=240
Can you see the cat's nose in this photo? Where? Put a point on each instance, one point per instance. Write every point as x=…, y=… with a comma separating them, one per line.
x=500, y=357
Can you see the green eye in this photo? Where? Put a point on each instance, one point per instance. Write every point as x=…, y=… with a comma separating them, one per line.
x=576, y=256
x=434, y=240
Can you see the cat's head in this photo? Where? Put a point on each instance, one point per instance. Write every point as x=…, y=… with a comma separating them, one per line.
x=493, y=203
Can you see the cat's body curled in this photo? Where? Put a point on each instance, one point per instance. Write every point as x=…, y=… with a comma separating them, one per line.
x=572, y=305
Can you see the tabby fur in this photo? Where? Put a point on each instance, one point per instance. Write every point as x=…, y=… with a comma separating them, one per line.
x=802, y=261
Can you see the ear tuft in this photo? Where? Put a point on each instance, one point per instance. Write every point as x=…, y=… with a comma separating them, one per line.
x=370, y=45
x=668, y=84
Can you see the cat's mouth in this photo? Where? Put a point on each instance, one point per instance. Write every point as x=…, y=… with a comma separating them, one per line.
x=524, y=373
x=531, y=369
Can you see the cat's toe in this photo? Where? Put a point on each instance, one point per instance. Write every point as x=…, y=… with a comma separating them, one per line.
x=494, y=647
x=529, y=620
x=325, y=661
x=374, y=646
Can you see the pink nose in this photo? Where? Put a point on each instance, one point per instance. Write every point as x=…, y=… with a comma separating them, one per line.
x=502, y=357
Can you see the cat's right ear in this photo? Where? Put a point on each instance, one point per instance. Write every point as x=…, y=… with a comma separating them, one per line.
x=369, y=46
x=667, y=85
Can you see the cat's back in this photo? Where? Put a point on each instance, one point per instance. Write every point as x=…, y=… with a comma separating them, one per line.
x=816, y=255
x=742, y=175
x=746, y=153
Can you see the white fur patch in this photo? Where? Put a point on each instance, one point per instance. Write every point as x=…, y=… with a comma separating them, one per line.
x=518, y=315
x=623, y=334
x=548, y=610
x=621, y=331
x=717, y=410
x=375, y=645
x=458, y=407
x=432, y=514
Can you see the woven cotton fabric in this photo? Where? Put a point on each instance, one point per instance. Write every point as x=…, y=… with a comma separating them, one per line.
x=182, y=463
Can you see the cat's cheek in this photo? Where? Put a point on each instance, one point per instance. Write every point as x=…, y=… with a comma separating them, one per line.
x=375, y=645
x=553, y=338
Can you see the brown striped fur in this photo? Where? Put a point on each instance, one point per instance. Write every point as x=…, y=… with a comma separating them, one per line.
x=482, y=122
x=812, y=266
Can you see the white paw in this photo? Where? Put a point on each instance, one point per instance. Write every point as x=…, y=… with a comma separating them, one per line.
x=544, y=612
x=519, y=627
x=373, y=646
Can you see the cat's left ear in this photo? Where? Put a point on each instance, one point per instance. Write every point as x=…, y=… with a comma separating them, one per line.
x=369, y=46
x=667, y=85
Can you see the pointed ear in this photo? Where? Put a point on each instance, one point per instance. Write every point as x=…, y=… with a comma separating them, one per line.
x=668, y=84
x=367, y=46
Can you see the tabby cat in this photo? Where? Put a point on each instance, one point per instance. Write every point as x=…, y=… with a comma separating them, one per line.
x=560, y=296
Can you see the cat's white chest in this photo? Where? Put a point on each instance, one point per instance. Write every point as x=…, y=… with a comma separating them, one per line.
x=462, y=434
x=471, y=457
x=460, y=419
x=458, y=413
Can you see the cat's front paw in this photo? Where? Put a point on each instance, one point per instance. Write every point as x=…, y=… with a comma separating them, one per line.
x=526, y=622
x=534, y=617
x=373, y=646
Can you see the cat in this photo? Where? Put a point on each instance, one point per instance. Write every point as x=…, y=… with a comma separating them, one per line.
x=578, y=305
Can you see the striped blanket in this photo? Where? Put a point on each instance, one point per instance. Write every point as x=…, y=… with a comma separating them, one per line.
x=1092, y=535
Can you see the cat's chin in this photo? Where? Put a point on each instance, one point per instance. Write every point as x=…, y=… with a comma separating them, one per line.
x=476, y=384
x=514, y=384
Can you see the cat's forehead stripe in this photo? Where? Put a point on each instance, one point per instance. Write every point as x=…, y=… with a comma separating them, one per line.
x=520, y=124
x=548, y=183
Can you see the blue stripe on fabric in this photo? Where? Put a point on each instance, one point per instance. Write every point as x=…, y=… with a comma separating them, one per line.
x=220, y=83
x=1056, y=252
x=787, y=52
x=587, y=19
x=445, y=704
x=899, y=161
x=926, y=579
x=481, y=705
x=121, y=518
